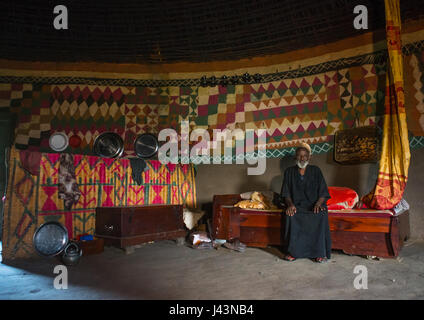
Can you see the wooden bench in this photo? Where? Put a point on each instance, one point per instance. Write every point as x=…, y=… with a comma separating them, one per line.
x=355, y=232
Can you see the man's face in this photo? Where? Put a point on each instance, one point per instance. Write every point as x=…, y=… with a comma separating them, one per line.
x=302, y=158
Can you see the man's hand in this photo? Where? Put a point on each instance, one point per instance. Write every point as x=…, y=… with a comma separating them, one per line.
x=318, y=208
x=291, y=210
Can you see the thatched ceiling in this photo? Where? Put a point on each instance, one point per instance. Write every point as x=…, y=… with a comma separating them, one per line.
x=165, y=31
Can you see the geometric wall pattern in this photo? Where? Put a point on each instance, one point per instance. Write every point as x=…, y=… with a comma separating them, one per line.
x=414, y=93
x=308, y=108
x=31, y=104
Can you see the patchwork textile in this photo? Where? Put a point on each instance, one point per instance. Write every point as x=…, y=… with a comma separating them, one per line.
x=309, y=109
x=308, y=103
x=87, y=111
x=295, y=108
x=31, y=103
x=395, y=155
x=33, y=200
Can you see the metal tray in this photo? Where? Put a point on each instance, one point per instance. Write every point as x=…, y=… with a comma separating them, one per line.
x=146, y=145
x=50, y=239
x=108, y=145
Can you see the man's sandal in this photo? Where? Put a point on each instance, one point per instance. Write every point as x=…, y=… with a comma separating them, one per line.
x=289, y=258
x=320, y=260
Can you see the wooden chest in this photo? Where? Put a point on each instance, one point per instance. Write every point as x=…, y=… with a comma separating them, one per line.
x=126, y=227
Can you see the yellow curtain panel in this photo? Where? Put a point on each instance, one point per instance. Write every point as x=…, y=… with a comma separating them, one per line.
x=395, y=155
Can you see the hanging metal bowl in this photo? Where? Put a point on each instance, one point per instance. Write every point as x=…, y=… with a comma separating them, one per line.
x=146, y=145
x=108, y=145
x=50, y=239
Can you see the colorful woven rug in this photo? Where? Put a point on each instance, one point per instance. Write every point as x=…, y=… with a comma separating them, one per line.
x=33, y=200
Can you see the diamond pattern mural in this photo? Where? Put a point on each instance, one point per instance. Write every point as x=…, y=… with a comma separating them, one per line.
x=307, y=108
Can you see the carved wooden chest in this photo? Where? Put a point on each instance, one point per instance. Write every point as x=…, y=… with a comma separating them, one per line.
x=126, y=227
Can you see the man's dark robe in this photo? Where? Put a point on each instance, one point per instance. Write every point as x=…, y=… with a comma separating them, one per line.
x=307, y=233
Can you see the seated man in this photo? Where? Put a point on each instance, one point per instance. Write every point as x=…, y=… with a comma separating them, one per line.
x=305, y=193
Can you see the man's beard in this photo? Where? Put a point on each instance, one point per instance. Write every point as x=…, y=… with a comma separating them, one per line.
x=302, y=164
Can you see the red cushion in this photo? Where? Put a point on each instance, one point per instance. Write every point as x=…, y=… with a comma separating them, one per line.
x=342, y=198
x=335, y=207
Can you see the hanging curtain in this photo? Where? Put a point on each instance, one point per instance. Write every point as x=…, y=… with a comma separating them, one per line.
x=395, y=155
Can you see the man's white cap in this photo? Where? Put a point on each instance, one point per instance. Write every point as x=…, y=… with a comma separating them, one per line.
x=305, y=145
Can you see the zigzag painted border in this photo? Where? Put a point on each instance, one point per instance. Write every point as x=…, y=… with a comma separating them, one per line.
x=319, y=148
x=274, y=153
x=416, y=142
x=378, y=57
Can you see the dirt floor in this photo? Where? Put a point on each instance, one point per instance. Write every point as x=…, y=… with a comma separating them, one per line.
x=164, y=270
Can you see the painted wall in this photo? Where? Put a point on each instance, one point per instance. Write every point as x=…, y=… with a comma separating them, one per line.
x=231, y=178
